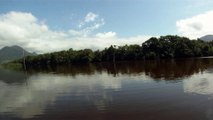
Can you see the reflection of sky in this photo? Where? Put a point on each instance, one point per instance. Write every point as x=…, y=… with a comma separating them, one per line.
x=29, y=99
x=201, y=83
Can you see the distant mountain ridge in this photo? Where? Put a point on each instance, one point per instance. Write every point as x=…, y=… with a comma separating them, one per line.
x=11, y=53
x=207, y=38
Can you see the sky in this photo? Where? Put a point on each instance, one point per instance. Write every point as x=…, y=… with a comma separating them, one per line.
x=51, y=25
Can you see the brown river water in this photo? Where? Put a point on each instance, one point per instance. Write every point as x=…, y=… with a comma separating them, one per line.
x=138, y=90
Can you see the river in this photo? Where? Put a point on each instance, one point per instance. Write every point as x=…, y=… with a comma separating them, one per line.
x=146, y=90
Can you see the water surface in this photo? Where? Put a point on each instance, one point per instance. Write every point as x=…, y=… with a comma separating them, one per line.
x=148, y=90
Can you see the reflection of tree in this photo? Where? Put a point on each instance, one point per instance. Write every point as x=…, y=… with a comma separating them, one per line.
x=174, y=69
x=157, y=69
x=9, y=76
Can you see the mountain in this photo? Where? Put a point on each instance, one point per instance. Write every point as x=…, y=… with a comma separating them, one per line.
x=207, y=38
x=11, y=53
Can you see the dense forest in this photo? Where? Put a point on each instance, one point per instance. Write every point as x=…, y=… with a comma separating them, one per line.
x=155, y=48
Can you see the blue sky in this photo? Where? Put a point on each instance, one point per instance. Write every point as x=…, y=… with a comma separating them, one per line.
x=126, y=18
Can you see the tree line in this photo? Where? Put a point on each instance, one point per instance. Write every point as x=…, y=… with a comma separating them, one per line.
x=169, y=46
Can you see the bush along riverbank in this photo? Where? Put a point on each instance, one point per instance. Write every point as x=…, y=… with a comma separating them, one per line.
x=155, y=48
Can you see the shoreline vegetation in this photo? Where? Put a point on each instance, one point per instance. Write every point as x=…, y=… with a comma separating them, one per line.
x=164, y=47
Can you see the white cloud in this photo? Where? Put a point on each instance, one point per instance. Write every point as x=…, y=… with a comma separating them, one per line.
x=90, y=17
x=78, y=33
x=24, y=29
x=90, y=23
x=88, y=29
x=106, y=35
x=196, y=26
x=100, y=43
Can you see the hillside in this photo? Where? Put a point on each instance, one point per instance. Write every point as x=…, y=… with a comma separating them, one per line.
x=12, y=53
x=207, y=38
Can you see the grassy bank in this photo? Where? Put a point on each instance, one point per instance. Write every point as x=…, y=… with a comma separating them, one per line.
x=14, y=66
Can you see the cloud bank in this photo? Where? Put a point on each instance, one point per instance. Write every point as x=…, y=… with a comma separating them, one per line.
x=24, y=29
x=196, y=26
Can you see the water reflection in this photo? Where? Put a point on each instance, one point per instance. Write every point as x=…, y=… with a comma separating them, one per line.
x=199, y=84
x=157, y=69
x=26, y=101
x=10, y=76
x=124, y=88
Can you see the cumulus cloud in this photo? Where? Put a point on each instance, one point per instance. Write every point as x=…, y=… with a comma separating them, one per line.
x=196, y=26
x=24, y=29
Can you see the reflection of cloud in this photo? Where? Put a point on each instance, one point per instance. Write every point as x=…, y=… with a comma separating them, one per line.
x=27, y=100
x=199, y=84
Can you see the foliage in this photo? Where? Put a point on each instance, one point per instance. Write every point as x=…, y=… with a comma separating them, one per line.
x=155, y=48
